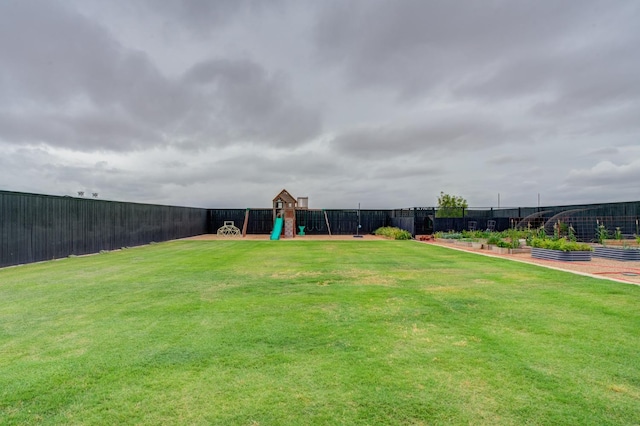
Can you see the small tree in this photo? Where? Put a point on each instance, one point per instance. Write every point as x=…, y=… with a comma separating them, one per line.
x=451, y=205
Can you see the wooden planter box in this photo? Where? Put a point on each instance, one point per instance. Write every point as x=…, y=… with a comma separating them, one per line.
x=463, y=243
x=500, y=250
x=617, y=253
x=564, y=256
x=504, y=250
x=620, y=243
x=446, y=240
x=477, y=245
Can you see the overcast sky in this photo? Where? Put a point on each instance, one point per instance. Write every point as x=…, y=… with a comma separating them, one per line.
x=222, y=103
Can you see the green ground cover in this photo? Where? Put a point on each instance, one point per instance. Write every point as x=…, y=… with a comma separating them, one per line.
x=350, y=332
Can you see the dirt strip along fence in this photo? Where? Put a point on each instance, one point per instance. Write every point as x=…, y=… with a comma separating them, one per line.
x=42, y=227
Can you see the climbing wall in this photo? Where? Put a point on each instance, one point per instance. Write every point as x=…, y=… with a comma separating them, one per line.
x=288, y=228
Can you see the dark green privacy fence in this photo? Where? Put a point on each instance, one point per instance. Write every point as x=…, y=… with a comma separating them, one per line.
x=217, y=217
x=341, y=222
x=583, y=218
x=37, y=227
x=41, y=227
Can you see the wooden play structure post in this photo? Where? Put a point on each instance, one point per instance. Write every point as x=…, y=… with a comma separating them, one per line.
x=245, y=224
x=284, y=206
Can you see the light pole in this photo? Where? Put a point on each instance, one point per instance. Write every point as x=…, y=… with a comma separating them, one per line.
x=359, y=225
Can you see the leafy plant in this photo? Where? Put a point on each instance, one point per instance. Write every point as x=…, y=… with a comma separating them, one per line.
x=617, y=234
x=507, y=239
x=601, y=234
x=508, y=244
x=449, y=235
x=515, y=243
x=561, y=229
x=494, y=239
x=477, y=234
x=560, y=244
x=393, y=233
x=514, y=235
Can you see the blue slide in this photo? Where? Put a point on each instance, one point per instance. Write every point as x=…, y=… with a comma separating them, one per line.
x=277, y=229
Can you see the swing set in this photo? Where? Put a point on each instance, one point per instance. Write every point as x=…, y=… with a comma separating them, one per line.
x=316, y=221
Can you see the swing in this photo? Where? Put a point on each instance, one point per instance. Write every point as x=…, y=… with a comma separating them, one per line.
x=313, y=224
x=319, y=222
x=307, y=222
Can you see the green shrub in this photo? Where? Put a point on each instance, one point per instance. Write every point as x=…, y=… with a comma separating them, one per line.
x=476, y=234
x=494, y=239
x=508, y=244
x=516, y=234
x=393, y=233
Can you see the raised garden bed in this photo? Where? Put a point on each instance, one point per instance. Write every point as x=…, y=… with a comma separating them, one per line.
x=520, y=250
x=617, y=253
x=564, y=256
x=505, y=250
x=446, y=240
x=500, y=250
x=621, y=243
x=463, y=243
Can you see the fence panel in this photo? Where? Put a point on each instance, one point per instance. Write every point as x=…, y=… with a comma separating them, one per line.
x=406, y=223
x=260, y=221
x=37, y=227
x=458, y=224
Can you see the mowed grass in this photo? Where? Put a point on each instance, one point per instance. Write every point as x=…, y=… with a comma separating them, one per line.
x=303, y=333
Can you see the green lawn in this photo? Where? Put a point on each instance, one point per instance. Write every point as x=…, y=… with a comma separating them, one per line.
x=297, y=333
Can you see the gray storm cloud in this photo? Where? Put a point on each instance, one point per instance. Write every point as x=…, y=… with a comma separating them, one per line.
x=388, y=102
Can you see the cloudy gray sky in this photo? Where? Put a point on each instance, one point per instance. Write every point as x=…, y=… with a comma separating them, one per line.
x=223, y=103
